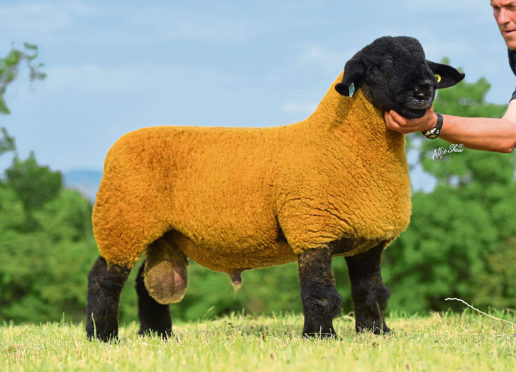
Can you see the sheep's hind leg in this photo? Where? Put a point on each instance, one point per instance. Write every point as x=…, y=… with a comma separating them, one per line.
x=104, y=287
x=321, y=301
x=154, y=317
x=368, y=292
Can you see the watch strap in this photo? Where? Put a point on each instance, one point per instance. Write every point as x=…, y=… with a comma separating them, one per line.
x=435, y=131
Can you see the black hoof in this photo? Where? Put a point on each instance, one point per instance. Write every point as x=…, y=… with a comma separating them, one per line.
x=321, y=333
x=376, y=326
x=112, y=338
x=164, y=335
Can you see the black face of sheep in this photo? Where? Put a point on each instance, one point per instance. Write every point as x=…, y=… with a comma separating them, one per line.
x=394, y=75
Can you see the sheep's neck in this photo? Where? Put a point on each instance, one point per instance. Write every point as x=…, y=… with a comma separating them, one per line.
x=350, y=148
x=352, y=121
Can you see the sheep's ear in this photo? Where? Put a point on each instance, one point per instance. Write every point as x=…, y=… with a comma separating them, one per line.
x=446, y=75
x=353, y=74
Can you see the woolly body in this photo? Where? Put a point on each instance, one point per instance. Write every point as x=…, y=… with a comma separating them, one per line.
x=242, y=198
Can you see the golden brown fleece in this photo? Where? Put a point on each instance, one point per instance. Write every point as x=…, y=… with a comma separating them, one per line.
x=239, y=198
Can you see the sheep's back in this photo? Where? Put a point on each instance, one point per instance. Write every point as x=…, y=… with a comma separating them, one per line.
x=213, y=185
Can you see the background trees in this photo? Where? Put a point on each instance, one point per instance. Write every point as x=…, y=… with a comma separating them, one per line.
x=9, y=68
x=45, y=230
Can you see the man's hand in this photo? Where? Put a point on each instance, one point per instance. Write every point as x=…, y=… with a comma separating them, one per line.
x=398, y=123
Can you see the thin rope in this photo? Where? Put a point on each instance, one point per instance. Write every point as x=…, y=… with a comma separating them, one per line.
x=477, y=310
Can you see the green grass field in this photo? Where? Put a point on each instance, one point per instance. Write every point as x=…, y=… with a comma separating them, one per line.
x=438, y=342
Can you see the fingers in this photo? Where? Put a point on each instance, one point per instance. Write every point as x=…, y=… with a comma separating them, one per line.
x=400, y=124
x=392, y=122
x=398, y=118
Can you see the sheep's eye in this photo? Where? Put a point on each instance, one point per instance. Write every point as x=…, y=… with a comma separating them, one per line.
x=438, y=78
x=374, y=69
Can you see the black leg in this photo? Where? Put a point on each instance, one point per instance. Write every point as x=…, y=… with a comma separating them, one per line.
x=321, y=301
x=104, y=287
x=368, y=292
x=154, y=317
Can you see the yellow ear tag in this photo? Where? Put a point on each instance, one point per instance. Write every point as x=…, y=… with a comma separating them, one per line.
x=438, y=78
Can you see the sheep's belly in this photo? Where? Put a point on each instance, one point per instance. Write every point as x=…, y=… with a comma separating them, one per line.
x=234, y=257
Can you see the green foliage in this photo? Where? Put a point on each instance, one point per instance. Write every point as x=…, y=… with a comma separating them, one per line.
x=7, y=143
x=468, y=99
x=35, y=185
x=9, y=69
x=47, y=244
x=441, y=253
x=45, y=229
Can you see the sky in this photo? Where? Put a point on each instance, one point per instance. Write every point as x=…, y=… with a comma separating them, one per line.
x=115, y=66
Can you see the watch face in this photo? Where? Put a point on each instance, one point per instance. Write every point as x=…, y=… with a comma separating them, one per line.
x=433, y=134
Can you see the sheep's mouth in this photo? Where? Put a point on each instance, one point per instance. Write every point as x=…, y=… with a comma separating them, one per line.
x=416, y=108
x=419, y=104
x=413, y=114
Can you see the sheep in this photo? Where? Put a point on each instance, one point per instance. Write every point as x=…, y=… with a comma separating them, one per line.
x=234, y=199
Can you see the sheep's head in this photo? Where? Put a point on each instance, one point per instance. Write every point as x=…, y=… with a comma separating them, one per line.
x=394, y=74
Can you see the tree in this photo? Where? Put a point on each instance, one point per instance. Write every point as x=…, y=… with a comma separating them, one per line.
x=43, y=275
x=34, y=184
x=45, y=229
x=9, y=69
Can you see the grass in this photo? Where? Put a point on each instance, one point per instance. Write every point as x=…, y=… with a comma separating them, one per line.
x=438, y=342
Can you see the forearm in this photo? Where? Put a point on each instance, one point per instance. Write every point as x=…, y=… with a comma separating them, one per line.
x=480, y=133
x=475, y=133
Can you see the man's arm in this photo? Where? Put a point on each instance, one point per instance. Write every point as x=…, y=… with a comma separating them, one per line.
x=475, y=133
x=510, y=114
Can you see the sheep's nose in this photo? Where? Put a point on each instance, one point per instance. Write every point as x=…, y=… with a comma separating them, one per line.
x=424, y=91
x=421, y=96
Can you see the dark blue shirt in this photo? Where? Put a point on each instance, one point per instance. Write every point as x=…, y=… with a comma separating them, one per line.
x=512, y=62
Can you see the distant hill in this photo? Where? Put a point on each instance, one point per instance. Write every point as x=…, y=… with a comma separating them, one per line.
x=86, y=181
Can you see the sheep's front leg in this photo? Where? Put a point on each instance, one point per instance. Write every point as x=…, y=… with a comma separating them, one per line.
x=154, y=317
x=321, y=301
x=368, y=292
x=104, y=287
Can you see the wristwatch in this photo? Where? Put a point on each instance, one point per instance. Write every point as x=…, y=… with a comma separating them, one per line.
x=435, y=131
